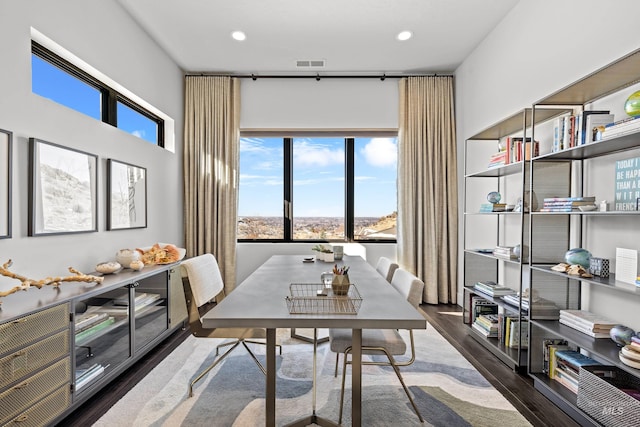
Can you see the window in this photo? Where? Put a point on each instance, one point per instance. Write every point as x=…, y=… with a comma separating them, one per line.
x=57, y=79
x=317, y=189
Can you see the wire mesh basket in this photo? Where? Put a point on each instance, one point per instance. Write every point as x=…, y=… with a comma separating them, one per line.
x=307, y=298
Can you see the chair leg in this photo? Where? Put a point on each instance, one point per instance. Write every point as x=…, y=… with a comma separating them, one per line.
x=253, y=356
x=404, y=386
x=335, y=374
x=224, y=344
x=264, y=343
x=396, y=370
x=344, y=377
x=213, y=365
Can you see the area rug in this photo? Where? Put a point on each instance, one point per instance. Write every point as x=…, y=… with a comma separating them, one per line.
x=446, y=387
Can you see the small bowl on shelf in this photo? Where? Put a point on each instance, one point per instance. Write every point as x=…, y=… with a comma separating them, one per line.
x=109, y=267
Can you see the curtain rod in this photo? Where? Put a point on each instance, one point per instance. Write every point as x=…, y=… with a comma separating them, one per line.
x=317, y=76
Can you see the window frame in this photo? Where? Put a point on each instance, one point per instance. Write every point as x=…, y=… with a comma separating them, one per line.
x=349, y=145
x=109, y=96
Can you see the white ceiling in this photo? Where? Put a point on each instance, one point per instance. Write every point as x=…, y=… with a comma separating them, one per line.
x=351, y=36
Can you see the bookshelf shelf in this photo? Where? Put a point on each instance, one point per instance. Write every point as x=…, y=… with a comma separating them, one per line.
x=489, y=230
x=581, y=170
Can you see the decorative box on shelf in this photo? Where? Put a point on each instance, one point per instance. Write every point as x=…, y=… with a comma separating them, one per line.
x=609, y=395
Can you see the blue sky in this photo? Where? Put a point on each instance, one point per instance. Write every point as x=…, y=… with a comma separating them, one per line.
x=318, y=188
x=53, y=83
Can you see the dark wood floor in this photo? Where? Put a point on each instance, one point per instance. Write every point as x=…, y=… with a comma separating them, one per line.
x=516, y=387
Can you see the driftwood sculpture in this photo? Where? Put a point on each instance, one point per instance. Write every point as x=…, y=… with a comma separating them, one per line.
x=26, y=283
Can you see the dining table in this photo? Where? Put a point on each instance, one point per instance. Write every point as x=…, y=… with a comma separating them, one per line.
x=260, y=301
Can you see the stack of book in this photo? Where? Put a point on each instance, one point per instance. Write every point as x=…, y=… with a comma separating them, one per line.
x=498, y=159
x=630, y=354
x=493, y=207
x=86, y=376
x=492, y=289
x=567, y=204
x=479, y=305
x=504, y=252
x=588, y=323
x=487, y=325
x=621, y=127
x=90, y=324
x=567, y=365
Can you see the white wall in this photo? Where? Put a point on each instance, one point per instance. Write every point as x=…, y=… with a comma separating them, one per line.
x=103, y=35
x=540, y=47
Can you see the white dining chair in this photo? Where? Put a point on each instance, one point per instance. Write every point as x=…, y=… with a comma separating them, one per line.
x=386, y=267
x=387, y=342
x=202, y=283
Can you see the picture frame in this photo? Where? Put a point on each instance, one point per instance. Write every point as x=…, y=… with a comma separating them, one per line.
x=6, y=141
x=126, y=196
x=63, y=188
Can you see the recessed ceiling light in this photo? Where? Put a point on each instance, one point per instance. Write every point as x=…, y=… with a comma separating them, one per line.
x=238, y=35
x=404, y=35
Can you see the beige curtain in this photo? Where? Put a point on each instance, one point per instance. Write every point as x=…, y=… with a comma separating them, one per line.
x=211, y=157
x=427, y=185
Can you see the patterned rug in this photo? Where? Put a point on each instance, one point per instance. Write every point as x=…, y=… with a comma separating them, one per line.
x=447, y=389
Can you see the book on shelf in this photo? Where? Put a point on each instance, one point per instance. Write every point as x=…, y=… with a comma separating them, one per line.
x=497, y=159
x=518, y=333
x=583, y=329
x=487, y=333
x=620, y=127
x=86, y=320
x=493, y=289
x=504, y=252
x=493, y=207
x=572, y=360
x=86, y=376
x=546, y=345
x=595, y=124
x=588, y=319
x=566, y=379
x=479, y=306
x=553, y=348
x=105, y=323
x=581, y=124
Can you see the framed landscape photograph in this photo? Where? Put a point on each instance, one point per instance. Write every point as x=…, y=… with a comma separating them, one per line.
x=5, y=183
x=62, y=189
x=126, y=196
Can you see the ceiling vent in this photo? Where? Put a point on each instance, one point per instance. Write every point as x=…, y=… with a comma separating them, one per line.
x=307, y=63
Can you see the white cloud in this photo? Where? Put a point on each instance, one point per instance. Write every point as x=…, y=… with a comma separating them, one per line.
x=305, y=154
x=381, y=152
x=138, y=133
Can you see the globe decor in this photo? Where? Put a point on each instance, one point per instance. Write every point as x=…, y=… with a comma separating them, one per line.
x=632, y=105
x=578, y=256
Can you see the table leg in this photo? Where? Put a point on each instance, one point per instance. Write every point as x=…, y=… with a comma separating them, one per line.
x=270, y=400
x=356, y=378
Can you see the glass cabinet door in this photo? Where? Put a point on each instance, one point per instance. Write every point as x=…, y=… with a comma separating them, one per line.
x=102, y=336
x=150, y=308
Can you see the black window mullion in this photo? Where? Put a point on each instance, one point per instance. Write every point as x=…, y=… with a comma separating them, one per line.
x=288, y=189
x=109, y=107
x=349, y=180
